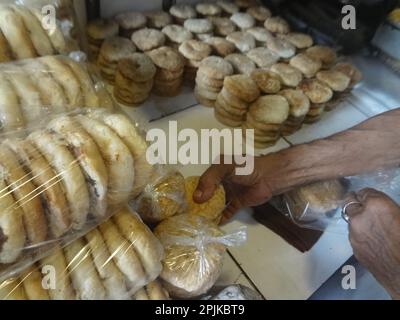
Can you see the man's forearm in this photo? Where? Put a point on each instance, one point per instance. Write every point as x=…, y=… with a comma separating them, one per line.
x=367, y=147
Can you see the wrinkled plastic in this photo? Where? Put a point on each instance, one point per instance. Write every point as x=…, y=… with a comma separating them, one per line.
x=34, y=88
x=62, y=178
x=325, y=211
x=121, y=259
x=38, y=28
x=194, y=253
x=162, y=197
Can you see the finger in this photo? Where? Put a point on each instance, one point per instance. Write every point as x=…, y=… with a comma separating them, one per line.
x=210, y=181
x=233, y=207
x=366, y=193
x=352, y=205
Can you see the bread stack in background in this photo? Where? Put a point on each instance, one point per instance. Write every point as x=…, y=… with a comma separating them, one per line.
x=194, y=51
x=97, y=31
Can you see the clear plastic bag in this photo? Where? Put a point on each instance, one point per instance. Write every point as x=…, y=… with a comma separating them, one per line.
x=194, y=253
x=319, y=205
x=163, y=197
x=34, y=88
x=35, y=28
x=119, y=260
x=61, y=179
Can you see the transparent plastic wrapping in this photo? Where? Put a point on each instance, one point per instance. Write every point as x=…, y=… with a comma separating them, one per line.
x=33, y=88
x=163, y=197
x=319, y=205
x=194, y=253
x=61, y=179
x=36, y=28
x=119, y=260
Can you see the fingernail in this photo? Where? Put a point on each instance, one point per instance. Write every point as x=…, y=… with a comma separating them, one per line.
x=198, y=194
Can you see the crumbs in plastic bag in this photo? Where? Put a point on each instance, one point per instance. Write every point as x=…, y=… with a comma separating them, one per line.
x=62, y=180
x=163, y=197
x=114, y=261
x=194, y=253
x=212, y=209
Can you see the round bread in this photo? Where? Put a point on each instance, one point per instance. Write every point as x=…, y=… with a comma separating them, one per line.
x=204, y=36
x=243, y=41
x=138, y=67
x=267, y=81
x=263, y=57
x=167, y=58
x=282, y=48
x=202, y=78
x=124, y=255
x=66, y=167
x=260, y=34
x=63, y=289
x=222, y=26
x=101, y=29
x=307, y=65
x=203, y=101
x=82, y=271
x=114, y=49
x=208, y=9
x=319, y=198
x=198, y=25
x=90, y=160
x=210, y=95
x=216, y=67
x=228, y=7
x=162, y=198
x=243, y=20
x=233, y=100
x=222, y=103
x=111, y=277
x=227, y=119
x=336, y=80
x=326, y=55
x=315, y=90
x=349, y=70
x=195, y=50
x=117, y=157
x=14, y=30
x=289, y=75
x=156, y=291
x=277, y=25
x=183, y=11
x=299, y=40
x=242, y=86
x=131, y=20
x=37, y=35
x=261, y=126
x=244, y=4
x=212, y=209
x=176, y=33
x=5, y=50
x=271, y=109
x=45, y=180
x=298, y=102
x=148, y=39
x=12, y=233
x=158, y=19
x=241, y=63
x=147, y=247
x=183, y=279
x=25, y=194
x=31, y=281
x=260, y=13
x=221, y=46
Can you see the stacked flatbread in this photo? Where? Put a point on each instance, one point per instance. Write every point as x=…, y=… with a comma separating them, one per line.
x=23, y=36
x=62, y=179
x=121, y=259
x=29, y=89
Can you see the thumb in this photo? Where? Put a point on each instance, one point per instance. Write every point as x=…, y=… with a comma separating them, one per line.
x=210, y=181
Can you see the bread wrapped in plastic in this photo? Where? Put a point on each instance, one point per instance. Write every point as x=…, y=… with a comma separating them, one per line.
x=163, y=197
x=60, y=179
x=194, y=253
x=119, y=262
x=32, y=89
x=36, y=28
x=211, y=209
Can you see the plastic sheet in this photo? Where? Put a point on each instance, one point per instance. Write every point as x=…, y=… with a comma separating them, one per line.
x=121, y=259
x=34, y=88
x=194, y=253
x=62, y=179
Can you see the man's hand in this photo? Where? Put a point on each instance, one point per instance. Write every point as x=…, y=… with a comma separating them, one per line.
x=375, y=236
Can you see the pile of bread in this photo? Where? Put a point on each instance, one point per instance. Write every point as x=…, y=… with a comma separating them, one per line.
x=31, y=89
x=63, y=179
x=23, y=34
x=121, y=259
x=221, y=39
